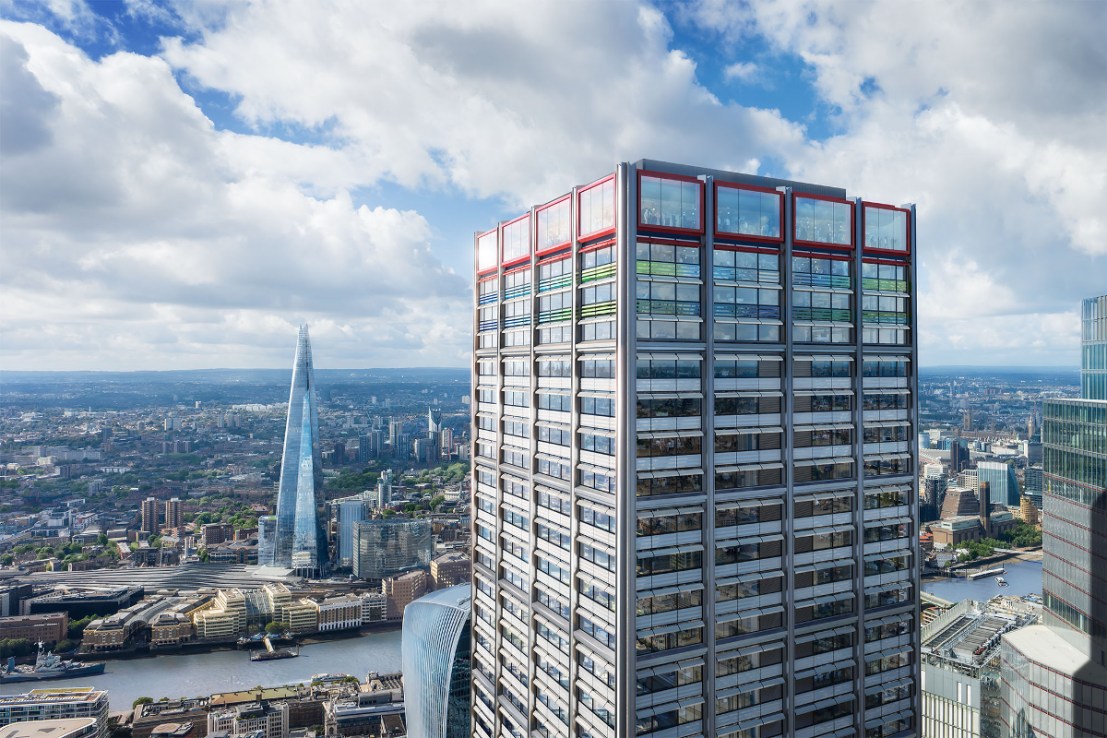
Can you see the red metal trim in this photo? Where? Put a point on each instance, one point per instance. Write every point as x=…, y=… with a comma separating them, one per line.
x=595, y=246
x=906, y=253
x=889, y=262
x=581, y=235
x=750, y=249
x=822, y=255
x=825, y=198
x=556, y=257
x=679, y=178
x=696, y=243
x=516, y=271
x=487, y=279
x=753, y=188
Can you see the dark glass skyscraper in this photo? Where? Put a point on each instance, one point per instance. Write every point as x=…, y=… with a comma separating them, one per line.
x=1093, y=348
x=1054, y=676
x=299, y=542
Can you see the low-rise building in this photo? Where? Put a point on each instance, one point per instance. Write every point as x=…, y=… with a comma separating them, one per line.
x=57, y=704
x=269, y=719
x=450, y=569
x=339, y=613
x=302, y=616
x=66, y=728
x=48, y=627
x=374, y=607
x=403, y=589
x=224, y=618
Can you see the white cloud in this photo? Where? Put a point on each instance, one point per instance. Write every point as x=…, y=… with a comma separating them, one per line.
x=742, y=71
x=990, y=116
x=139, y=236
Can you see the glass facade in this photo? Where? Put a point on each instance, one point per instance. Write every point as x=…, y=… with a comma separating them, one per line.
x=1054, y=677
x=1093, y=345
x=386, y=547
x=299, y=542
x=694, y=490
x=436, y=643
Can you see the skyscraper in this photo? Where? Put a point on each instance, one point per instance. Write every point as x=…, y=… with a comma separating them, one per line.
x=436, y=663
x=299, y=542
x=385, y=547
x=695, y=462
x=1054, y=676
x=1093, y=348
x=1003, y=480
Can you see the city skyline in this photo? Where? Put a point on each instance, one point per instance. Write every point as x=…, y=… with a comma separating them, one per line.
x=176, y=177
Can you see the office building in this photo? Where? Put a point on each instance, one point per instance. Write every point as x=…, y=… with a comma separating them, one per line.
x=1033, y=483
x=348, y=512
x=960, y=666
x=436, y=663
x=300, y=543
x=1004, y=483
x=1055, y=674
x=173, y=517
x=451, y=569
x=267, y=535
x=255, y=719
x=695, y=462
x=149, y=524
x=57, y=704
x=48, y=628
x=401, y=590
x=385, y=547
x=1093, y=348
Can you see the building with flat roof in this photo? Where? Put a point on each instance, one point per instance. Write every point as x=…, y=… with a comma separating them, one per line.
x=1093, y=348
x=695, y=461
x=57, y=704
x=65, y=728
x=386, y=547
x=47, y=627
x=437, y=663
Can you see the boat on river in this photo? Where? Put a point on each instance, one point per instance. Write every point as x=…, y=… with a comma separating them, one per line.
x=48, y=665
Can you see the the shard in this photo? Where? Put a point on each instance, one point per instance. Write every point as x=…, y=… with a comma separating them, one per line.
x=299, y=543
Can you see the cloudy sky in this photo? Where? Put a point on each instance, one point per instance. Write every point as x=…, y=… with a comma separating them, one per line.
x=181, y=184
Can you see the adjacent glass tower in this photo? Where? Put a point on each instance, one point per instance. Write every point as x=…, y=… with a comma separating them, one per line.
x=299, y=542
x=1093, y=345
x=695, y=486
x=436, y=663
x=1054, y=676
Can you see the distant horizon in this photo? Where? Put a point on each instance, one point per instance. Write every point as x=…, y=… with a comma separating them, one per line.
x=922, y=367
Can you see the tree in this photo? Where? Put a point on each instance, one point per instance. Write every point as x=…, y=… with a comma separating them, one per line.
x=14, y=647
x=437, y=501
x=7, y=560
x=64, y=645
x=142, y=701
x=275, y=627
x=203, y=555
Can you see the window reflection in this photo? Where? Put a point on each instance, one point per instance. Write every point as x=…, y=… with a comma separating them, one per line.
x=748, y=212
x=823, y=221
x=670, y=203
x=885, y=229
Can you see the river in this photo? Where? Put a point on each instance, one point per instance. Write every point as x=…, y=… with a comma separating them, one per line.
x=192, y=675
x=1023, y=578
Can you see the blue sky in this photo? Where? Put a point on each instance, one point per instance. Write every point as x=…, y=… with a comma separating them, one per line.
x=185, y=182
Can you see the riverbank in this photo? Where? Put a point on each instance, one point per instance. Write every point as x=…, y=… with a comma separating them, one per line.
x=144, y=651
x=962, y=570
x=229, y=670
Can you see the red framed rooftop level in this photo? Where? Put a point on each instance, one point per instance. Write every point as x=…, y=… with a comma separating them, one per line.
x=906, y=250
x=660, y=226
x=797, y=196
x=605, y=229
x=506, y=259
x=487, y=251
x=749, y=236
x=538, y=219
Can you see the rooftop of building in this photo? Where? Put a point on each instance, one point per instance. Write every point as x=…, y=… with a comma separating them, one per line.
x=655, y=165
x=1044, y=645
x=47, y=728
x=227, y=699
x=459, y=597
x=58, y=695
x=968, y=634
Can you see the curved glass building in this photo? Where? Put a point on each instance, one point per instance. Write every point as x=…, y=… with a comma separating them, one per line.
x=299, y=542
x=436, y=667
